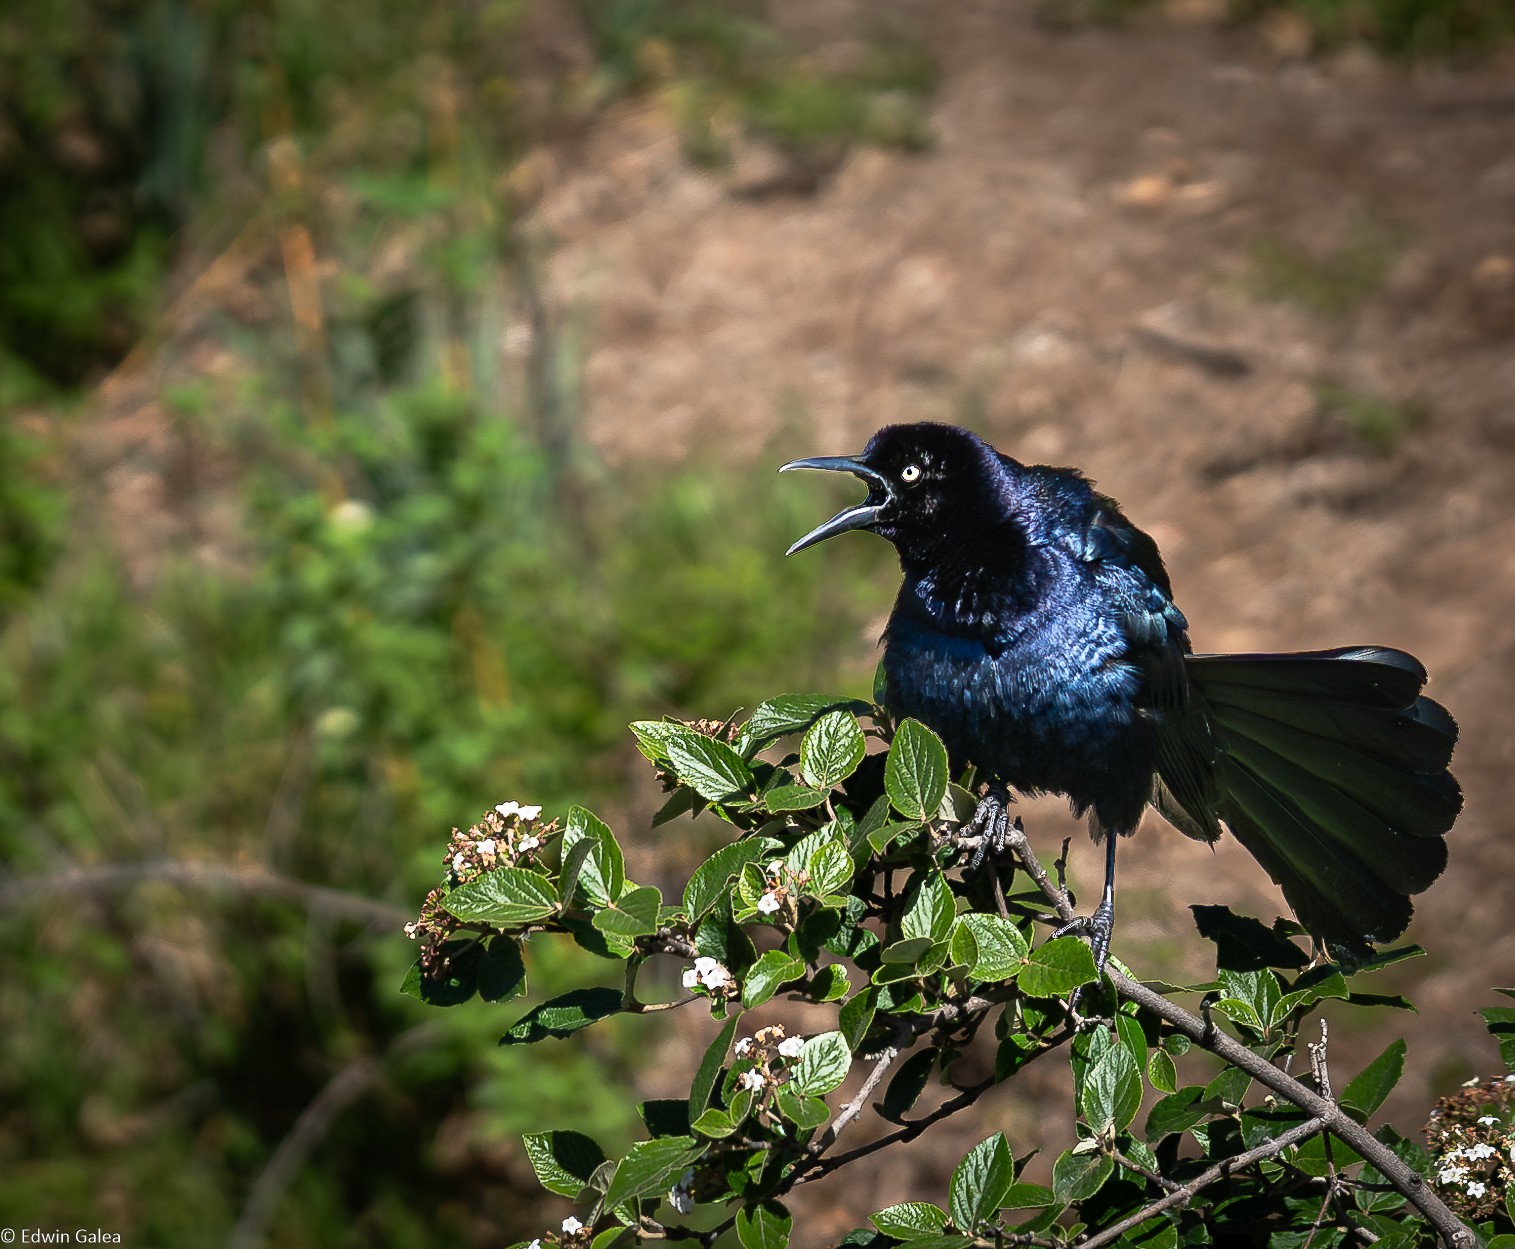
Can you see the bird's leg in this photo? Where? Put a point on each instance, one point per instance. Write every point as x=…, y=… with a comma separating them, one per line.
x=1100, y=926
x=990, y=823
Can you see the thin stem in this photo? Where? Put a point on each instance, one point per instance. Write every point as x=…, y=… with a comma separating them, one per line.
x=1208, y=1036
x=1185, y=1193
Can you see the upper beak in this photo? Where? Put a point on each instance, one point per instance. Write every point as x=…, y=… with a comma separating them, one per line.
x=858, y=517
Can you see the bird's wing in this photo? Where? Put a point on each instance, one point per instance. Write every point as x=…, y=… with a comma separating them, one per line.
x=1128, y=562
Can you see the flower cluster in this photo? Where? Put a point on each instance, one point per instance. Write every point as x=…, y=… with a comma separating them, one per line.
x=777, y=892
x=712, y=976
x=1472, y=1139
x=768, y=1049
x=504, y=836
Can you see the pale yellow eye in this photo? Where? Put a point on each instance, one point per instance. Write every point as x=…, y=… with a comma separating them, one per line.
x=910, y=474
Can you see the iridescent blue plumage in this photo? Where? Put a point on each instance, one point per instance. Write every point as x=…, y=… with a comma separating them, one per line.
x=1035, y=632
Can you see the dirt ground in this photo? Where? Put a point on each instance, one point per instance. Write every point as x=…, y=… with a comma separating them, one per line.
x=1080, y=268
x=1097, y=263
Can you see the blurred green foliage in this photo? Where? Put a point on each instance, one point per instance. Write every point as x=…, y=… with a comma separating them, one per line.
x=385, y=583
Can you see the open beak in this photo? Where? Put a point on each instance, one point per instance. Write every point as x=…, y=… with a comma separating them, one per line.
x=859, y=517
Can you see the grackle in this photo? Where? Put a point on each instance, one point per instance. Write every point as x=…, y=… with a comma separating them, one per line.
x=1035, y=632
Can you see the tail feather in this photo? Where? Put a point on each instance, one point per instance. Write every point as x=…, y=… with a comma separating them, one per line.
x=1333, y=897
x=1412, y=802
x=1401, y=861
x=1331, y=768
x=1416, y=737
x=1367, y=675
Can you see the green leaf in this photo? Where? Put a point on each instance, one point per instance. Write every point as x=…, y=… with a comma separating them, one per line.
x=651, y=1167
x=495, y=972
x=1077, y=1177
x=929, y=907
x=764, y=977
x=856, y=1015
x=764, y=1226
x=715, y=1122
x=1112, y=1092
x=602, y=875
x=1001, y=946
x=665, y=1116
x=1161, y=1073
x=563, y=1161
x=710, y=767
x=885, y=835
x=831, y=750
x=1177, y=1113
x=708, y=884
x=789, y=713
x=910, y=1220
x=1026, y=1197
x=1500, y=1021
x=979, y=1182
x=915, y=775
x=1133, y=1038
x=1257, y=990
x=830, y=983
x=908, y=1084
x=821, y=862
x=709, y=1072
x=823, y=1065
x=507, y=895
x=1057, y=967
x=1243, y=943
x=804, y=1112
x=793, y=798
x=906, y=953
x=634, y=914
x=564, y=1015
x=1366, y=1091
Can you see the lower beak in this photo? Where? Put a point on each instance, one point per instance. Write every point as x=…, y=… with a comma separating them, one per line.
x=861, y=516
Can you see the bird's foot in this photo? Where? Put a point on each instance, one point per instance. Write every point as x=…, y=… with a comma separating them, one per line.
x=1099, y=928
x=990, y=824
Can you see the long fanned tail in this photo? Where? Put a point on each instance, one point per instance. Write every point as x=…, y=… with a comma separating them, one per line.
x=1331, y=768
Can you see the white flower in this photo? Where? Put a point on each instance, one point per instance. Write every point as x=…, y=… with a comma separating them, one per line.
x=743, y=1046
x=790, y=1047
x=769, y=903
x=572, y=1225
x=507, y=809
x=459, y=862
x=776, y=867
x=528, y=813
x=536, y=1244
x=487, y=846
x=691, y=978
x=680, y=1196
x=1477, y=1153
x=527, y=843
x=1487, y=1121
x=1451, y=1175
x=710, y=973
x=752, y=1080
x=1477, y=1189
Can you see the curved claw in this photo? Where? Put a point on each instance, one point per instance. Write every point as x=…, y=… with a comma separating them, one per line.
x=1099, y=928
x=990, y=823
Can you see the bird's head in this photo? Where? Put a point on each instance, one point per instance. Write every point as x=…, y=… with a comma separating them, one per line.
x=926, y=483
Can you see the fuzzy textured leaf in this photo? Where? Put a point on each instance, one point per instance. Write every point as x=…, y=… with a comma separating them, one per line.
x=915, y=775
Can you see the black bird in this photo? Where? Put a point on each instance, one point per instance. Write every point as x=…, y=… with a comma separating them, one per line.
x=1036, y=633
